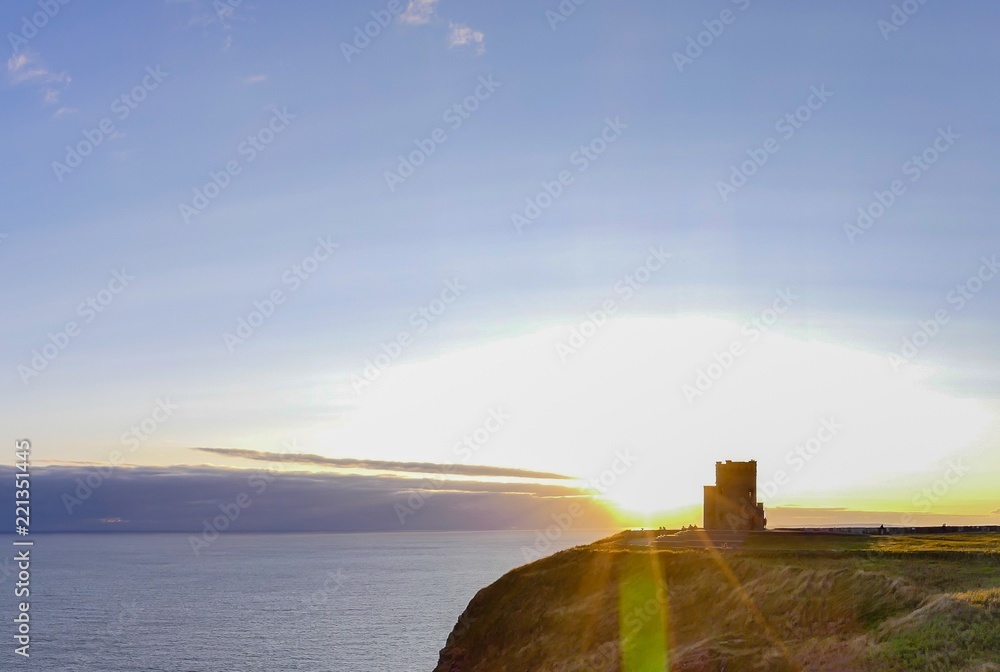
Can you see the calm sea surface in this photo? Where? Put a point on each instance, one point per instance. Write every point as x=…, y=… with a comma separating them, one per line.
x=331, y=602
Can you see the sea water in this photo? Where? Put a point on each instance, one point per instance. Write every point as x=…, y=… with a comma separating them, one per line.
x=252, y=602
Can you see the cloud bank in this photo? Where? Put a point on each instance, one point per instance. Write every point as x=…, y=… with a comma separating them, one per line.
x=182, y=499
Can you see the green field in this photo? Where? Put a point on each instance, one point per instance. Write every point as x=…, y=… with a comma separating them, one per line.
x=784, y=602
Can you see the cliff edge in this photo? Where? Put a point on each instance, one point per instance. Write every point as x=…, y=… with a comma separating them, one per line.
x=826, y=604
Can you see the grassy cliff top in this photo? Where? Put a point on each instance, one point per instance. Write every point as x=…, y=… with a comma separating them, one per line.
x=784, y=602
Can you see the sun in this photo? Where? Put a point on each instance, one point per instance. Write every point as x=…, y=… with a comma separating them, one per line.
x=644, y=510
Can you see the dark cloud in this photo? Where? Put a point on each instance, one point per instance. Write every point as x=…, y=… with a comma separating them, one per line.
x=182, y=499
x=383, y=465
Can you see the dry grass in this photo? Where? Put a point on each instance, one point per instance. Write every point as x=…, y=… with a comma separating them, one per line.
x=986, y=598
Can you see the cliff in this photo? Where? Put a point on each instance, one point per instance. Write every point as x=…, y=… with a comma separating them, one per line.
x=827, y=603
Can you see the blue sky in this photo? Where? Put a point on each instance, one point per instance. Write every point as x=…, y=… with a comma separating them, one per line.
x=343, y=125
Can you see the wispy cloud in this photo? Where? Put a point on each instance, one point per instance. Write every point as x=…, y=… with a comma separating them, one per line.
x=63, y=111
x=997, y=512
x=27, y=67
x=254, y=79
x=226, y=13
x=460, y=35
x=418, y=12
x=220, y=13
x=382, y=465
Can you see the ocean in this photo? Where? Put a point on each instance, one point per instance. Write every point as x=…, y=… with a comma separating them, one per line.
x=251, y=602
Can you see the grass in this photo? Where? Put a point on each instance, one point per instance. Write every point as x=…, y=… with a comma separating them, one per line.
x=785, y=602
x=950, y=638
x=936, y=543
x=963, y=543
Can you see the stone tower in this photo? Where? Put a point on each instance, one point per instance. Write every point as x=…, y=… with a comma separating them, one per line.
x=731, y=504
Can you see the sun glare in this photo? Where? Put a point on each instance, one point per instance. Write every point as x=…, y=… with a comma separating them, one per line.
x=635, y=410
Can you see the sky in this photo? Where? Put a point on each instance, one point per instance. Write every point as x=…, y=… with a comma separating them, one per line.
x=560, y=252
